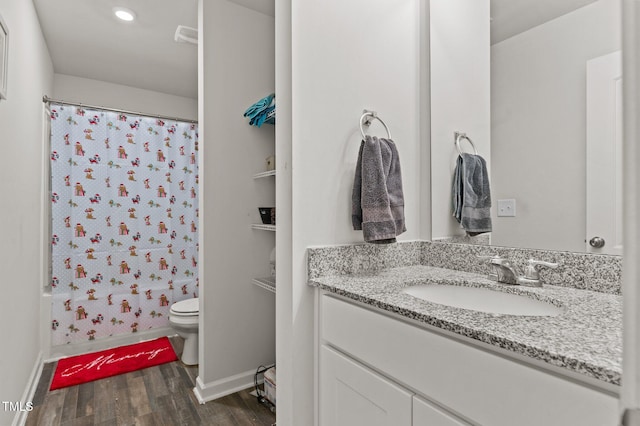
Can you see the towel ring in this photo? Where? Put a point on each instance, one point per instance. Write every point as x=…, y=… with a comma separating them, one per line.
x=368, y=117
x=459, y=136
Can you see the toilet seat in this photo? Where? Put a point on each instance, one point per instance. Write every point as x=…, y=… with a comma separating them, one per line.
x=186, y=308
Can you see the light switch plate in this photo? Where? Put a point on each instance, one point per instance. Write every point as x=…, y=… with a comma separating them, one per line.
x=507, y=208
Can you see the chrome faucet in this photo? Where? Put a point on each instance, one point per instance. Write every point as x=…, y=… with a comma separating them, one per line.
x=503, y=271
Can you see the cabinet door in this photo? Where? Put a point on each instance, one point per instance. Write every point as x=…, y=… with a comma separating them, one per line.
x=427, y=414
x=353, y=395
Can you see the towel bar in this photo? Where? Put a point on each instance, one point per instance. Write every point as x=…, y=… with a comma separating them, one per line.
x=368, y=117
x=459, y=136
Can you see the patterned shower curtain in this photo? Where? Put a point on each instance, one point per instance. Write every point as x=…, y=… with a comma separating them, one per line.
x=124, y=221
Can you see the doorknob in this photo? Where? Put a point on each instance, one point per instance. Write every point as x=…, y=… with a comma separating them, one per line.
x=596, y=242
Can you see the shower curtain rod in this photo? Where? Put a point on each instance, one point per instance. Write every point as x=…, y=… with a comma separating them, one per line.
x=48, y=100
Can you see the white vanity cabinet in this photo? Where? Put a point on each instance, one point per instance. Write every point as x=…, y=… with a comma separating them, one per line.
x=371, y=362
x=427, y=414
x=352, y=394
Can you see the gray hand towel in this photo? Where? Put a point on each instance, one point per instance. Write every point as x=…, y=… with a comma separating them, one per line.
x=472, y=194
x=377, y=199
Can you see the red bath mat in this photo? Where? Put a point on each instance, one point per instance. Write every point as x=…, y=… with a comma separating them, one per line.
x=124, y=359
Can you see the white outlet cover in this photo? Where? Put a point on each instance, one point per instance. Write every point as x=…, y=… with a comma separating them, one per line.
x=507, y=208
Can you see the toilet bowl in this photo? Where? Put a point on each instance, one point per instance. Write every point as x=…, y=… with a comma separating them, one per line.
x=183, y=318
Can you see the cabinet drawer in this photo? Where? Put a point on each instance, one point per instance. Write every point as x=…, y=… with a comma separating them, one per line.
x=479, y=385
x=427, y=414
x=352, y=395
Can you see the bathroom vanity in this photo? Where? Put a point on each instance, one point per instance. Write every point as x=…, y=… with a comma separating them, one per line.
x=387, y=357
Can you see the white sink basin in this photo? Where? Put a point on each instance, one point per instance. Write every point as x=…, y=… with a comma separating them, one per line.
x=483, y=300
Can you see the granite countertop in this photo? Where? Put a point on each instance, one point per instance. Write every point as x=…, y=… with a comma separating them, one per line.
x=586, y=338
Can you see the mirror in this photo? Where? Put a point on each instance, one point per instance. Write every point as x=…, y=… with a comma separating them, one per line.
x=540, y=132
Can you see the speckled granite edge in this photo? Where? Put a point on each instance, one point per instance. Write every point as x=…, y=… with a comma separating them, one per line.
x=359, y=258
x=482, y=239
x=602, y=273
x=579, y=366
x=586, y=338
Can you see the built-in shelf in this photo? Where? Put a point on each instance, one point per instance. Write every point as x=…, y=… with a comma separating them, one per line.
x=268, y=283
x=264, y=174
x=263, y=227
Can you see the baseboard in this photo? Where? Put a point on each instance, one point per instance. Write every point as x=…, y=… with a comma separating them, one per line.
x=205, y=392
x=62, y=351
x=30, y=390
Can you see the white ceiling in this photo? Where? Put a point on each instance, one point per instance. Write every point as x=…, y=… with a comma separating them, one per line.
x=86, y=40
x=511, y=17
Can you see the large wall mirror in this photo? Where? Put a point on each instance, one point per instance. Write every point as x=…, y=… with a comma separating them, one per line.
x=556, y=124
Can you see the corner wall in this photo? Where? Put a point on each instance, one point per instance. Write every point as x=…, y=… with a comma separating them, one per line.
x=30, y=76
x=237, y=319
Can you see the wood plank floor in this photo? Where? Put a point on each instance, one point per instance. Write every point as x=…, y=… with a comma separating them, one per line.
x=155, y=396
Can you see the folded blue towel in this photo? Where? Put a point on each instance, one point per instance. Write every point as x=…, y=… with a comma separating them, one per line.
x=257, y=107
x=471, y=194
x=262, y=111
x=261, y=118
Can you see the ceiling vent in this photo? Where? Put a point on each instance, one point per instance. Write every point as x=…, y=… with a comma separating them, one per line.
x=186, y=34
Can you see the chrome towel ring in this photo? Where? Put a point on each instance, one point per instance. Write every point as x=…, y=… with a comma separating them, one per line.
x=459, y=136
x=366, y=119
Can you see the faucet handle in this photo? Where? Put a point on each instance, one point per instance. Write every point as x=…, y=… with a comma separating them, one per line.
x=531, y=273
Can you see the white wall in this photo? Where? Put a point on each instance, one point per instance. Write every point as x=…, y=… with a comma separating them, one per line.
x=538, y=113
x=460, y=97
x=285, y=374
x=630, y=393
x=100, y=93
x=21, y=116
x=237, y=318
x=335, y=58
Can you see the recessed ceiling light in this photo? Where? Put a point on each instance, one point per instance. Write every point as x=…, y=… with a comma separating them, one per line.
x=124, y=14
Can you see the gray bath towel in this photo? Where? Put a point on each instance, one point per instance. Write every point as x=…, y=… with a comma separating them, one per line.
x=377, y=199
x=472, y=194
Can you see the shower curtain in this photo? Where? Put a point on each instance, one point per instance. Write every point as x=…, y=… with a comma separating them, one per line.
x=124, y=208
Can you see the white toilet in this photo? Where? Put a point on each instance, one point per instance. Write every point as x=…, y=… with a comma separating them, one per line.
x=183, y=317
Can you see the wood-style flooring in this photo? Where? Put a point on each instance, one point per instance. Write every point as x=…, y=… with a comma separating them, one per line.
x=155, y=396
